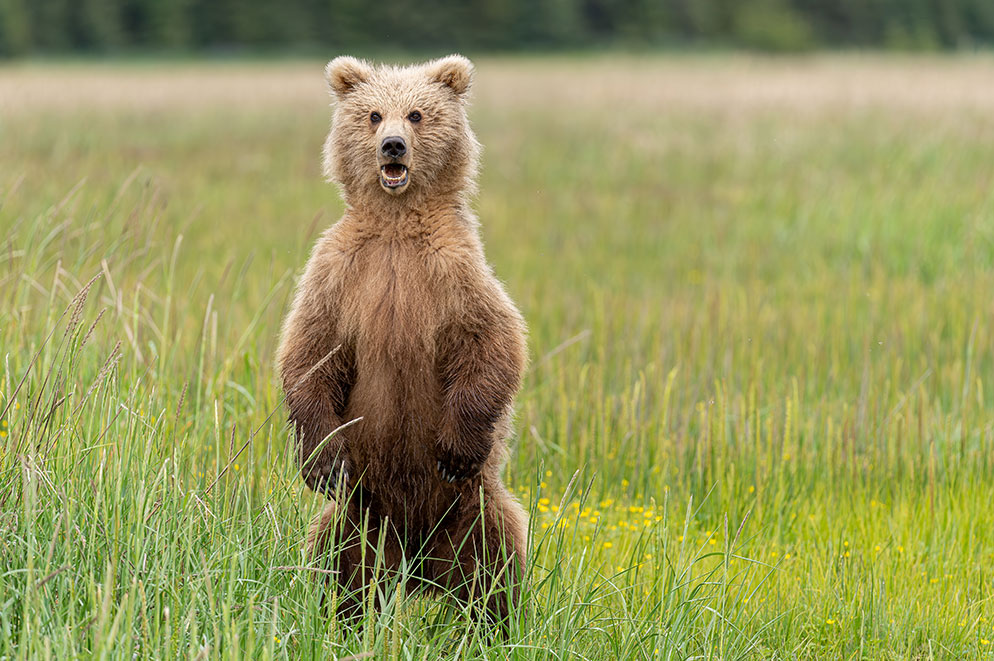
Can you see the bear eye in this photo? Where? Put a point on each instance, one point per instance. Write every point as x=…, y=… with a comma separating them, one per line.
x=415, y=116
x=375, y=117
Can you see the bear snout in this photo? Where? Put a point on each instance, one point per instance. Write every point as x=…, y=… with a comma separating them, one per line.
x=393, y=146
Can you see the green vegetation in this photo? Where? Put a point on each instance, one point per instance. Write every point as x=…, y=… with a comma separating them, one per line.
x=100, y=26
x=758, y=420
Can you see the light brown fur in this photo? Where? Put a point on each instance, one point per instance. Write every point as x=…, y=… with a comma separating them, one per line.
x=430, y=349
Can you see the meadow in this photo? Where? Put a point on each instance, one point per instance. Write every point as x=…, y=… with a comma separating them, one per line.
x=759, y=417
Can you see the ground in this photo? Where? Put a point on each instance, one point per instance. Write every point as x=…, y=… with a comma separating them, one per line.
x=758, y=421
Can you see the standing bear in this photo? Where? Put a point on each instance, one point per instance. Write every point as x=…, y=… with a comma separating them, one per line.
x=400, y=328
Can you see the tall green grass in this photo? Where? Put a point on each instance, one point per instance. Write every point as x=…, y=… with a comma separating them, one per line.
x=757, y=422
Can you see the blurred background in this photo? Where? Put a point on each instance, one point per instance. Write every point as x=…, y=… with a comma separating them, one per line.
x=107, y=26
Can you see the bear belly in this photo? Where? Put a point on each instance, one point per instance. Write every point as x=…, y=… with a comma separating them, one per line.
x=392, y=449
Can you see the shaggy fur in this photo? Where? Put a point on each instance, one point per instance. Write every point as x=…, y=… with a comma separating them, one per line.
x=426, y=349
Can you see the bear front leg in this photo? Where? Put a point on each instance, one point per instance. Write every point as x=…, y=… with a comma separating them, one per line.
x=316, y=397
x=480, y=365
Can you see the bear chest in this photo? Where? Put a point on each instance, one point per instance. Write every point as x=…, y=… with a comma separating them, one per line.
x=399, y=305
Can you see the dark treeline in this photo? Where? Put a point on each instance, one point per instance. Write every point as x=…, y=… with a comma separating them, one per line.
x=100, y=26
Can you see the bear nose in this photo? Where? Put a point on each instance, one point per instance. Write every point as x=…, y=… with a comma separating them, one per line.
x=393, y=147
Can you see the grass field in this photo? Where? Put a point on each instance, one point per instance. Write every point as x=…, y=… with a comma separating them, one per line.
x=759, y=418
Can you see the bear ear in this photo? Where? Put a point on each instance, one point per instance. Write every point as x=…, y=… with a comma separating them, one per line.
x=344, y=73
x=454, y=71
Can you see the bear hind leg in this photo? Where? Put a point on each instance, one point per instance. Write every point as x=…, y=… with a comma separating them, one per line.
x=334, y=545
x=480, y=560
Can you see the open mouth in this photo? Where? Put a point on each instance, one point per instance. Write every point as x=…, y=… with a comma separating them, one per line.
x=393, y=175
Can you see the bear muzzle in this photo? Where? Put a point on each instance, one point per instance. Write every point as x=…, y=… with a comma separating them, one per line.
x=393, y=173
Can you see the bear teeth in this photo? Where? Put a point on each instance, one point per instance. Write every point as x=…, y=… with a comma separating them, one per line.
x=393, y=175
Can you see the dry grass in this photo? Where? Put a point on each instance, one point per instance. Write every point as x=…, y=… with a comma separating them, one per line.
x=818, y=84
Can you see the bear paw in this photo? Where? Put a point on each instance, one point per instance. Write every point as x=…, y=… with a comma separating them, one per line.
x=327, y=481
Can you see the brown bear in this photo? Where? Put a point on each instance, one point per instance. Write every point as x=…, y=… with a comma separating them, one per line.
x=400, y=328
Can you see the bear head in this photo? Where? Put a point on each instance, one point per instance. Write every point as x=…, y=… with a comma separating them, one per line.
x=400, y=135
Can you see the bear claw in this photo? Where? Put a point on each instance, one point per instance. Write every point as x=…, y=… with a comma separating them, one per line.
x=457, y=471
